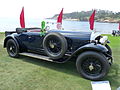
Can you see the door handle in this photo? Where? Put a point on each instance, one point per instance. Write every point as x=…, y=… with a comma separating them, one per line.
x=29, y=37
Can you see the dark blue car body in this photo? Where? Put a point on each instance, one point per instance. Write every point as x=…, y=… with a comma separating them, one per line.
x=78, y=45
x=33, y=40
x=77, y=41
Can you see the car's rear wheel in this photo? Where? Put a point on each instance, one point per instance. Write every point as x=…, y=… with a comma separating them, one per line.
x=12, y=48
x=92, y=65
x=55, y=45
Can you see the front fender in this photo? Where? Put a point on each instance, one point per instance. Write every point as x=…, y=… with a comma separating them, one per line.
x=10, y=37
x=91, y=47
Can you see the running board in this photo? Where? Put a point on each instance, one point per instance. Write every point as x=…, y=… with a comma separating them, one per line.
x=36, y=56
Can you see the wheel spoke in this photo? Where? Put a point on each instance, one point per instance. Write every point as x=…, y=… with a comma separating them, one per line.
x=54, y=46
x=91, y=66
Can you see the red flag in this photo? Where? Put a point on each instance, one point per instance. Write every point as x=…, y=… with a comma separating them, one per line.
x=22, y=20
x=91, y=20
x=59, y=19
x=119, y=26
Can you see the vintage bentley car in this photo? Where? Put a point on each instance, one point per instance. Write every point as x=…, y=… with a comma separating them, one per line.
x=90, y=51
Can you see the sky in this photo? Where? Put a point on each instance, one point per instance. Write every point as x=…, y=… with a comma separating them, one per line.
x=47, y=8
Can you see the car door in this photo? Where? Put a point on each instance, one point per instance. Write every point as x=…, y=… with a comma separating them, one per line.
x=31, y=40
x=35, y=40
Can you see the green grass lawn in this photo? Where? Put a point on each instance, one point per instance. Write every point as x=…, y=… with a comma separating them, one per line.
x=25, y=73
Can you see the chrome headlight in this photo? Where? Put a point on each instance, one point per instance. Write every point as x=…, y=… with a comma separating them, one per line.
x=104, y=40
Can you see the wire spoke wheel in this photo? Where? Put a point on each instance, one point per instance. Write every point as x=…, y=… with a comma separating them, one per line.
x=55, y=45
x=92, y=65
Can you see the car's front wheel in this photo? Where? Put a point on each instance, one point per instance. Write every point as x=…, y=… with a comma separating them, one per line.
x=12, y=48
x=92, y=65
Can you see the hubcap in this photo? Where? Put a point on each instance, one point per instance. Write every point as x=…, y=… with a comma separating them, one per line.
x=11, y=48
x=52, y=45
x=91, y=67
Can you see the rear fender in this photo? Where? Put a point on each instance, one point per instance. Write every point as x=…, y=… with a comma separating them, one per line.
x=10, y=37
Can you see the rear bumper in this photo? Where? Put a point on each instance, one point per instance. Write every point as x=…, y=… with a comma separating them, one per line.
x=9, y=32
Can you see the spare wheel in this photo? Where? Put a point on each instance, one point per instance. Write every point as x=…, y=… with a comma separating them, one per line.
x=55, y=45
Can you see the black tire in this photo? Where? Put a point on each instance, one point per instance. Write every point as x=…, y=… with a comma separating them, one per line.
x=92, y=65
x=12, y=48
x=55, y=45
x=109, y=49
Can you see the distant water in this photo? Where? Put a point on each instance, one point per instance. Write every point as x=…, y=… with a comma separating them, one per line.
x=12, y=24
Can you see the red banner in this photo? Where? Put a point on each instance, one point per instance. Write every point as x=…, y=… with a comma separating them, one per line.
x=59, y=19
x=91, y=20
x=22, y=20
